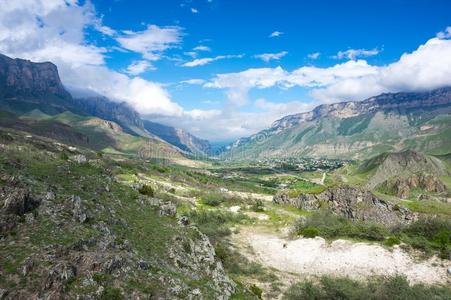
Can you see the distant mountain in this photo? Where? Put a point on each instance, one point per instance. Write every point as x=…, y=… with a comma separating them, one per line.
x=26, y=86
x=357, y=129
x=179, y=138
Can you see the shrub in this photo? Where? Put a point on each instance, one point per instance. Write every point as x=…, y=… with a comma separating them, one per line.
x=213, y=198
x=332, y=226
x=214, y=223
x=391, y=241
x=256, y=291
x=147, y=190
x=309, y=232
x=99, y=154
x=258, y=206
x=64, y=156
x=430, y=235
x=110, y=293
x=376, y=288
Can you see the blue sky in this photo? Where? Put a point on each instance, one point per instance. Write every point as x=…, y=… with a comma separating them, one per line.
x=224, y=68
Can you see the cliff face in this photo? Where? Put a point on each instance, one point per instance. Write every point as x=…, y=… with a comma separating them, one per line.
x=24, y=84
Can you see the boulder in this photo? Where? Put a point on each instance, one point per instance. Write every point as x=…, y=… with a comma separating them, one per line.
x=168, y=209
x=18, y=201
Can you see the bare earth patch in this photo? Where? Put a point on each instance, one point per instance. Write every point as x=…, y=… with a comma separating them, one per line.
x=316, y=257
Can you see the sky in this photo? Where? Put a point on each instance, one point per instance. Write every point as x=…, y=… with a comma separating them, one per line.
x=224, y=69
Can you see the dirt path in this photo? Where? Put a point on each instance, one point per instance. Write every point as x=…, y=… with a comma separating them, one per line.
x=308, y=257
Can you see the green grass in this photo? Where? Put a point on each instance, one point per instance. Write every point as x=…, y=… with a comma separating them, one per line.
x=305, y=187
x=428, y=206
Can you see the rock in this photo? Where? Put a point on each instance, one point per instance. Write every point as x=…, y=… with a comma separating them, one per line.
x=352, y=203
x=144, y=265
x=168, y=209
x=449, y=270
x=18, y=201
x=3, y=294
x=28, y=265
x=184, y=221
x=79, y=211
x=49, y=196
x=197, y=258
x=60, y=273
x=402, y=186
x=79, y=158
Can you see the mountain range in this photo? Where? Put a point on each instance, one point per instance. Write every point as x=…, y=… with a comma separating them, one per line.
x=357, y=129
x=32, y=95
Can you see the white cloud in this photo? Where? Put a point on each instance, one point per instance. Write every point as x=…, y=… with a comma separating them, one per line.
x=427, y=67
x=232, y=124
x=55, y=31
x=276, y=34
x=266, y=57
x=138, y=67
x=207, y=60
x=201, y=48
x=193, y=81
x=314, y=55
x=194, y=10
x=356, y=53
x=152, y=41
x=445, y=34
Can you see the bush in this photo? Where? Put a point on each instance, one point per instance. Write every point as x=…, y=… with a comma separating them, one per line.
x=256, y=291
x=213, y=199
x=258, y=206
x=430, y=235
x=391, y=241
x=376, y=288
x=64, y=156
x=110, y=293
x=147, y=190
x=99, y=154
x=214, y=223
x=331, y=226
x=309, y=232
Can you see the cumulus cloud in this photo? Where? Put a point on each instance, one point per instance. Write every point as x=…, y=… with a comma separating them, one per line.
x=138, y=67
x=194, y=10
x=152, y=41
x=266, y=57
x=314, y=55
x=207, y=60
x=275, y=34
x=55, y=31
x=201, y=48
x=353, y=54
x=427, y=67
x=445, y=34
x=193, y=81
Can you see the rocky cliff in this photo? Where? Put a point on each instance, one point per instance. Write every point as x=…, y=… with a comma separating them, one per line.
x=352, y=203
x=357, y=129
x=25, y=84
